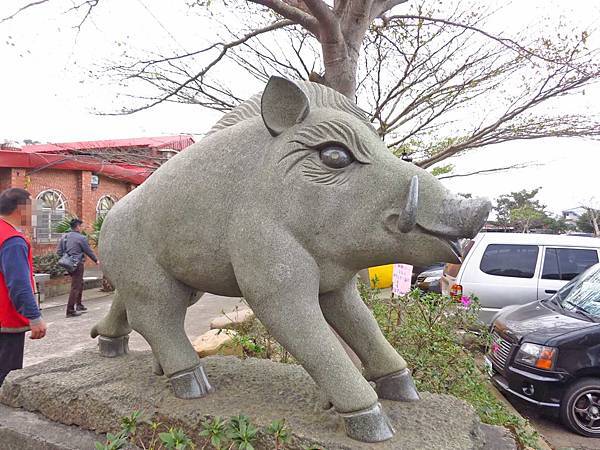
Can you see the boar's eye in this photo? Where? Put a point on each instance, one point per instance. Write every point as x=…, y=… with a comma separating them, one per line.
x=336, y=157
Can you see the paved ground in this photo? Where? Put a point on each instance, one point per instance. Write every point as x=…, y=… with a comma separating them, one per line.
x=67, y=336
x=551, y=428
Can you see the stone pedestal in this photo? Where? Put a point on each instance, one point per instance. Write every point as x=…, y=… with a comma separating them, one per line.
x=93, y=392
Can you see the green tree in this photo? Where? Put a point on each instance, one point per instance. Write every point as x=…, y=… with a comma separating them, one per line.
x=524, y=216
x=521, y=210
x=589, y=221
x=558, y=225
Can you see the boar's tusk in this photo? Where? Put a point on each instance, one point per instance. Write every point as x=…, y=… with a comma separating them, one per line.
x=408, y=218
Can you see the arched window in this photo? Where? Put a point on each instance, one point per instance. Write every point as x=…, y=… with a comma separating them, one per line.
x=51, y=207
x=104, y=206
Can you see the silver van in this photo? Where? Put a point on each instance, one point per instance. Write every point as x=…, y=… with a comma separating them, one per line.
x=504, y=269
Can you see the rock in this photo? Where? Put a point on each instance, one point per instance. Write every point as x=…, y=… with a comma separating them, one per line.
x=93, y=393
x=217, y=342
x=233, y=319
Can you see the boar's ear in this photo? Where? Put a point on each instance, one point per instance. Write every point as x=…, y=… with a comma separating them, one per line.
x=283, y=104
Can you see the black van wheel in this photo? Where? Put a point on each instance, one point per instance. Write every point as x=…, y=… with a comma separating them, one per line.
x=580, y=407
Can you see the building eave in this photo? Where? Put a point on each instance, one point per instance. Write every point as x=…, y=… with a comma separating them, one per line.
x=37, y=161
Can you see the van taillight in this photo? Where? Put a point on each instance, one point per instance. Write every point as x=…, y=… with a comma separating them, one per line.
x=456, y=292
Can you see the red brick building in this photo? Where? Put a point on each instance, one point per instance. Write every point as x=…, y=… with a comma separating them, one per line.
x=83, y=179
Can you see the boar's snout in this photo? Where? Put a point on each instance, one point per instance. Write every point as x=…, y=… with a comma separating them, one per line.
x=446, y=216
x=476, y=212
x=462, y=217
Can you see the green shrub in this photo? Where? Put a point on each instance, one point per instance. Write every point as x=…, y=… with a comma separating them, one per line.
x=429, y=331
x=48, y=263
x=256, y=342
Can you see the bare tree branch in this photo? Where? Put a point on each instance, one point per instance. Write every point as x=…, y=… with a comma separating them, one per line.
x=90, y=4
x=292, y=13
x=494, y=133
x=225, y=47
x=23, y=8
x=379, y=7
x=423, y=74
x=488, y=171
x=327, y=20
x=510, y=43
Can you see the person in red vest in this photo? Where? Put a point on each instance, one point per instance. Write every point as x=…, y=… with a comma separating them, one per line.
x=19, y=310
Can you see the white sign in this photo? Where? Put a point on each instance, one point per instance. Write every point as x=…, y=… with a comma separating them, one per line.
x=401, y=278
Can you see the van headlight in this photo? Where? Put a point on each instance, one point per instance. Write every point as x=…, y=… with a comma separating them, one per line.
x=535, y=355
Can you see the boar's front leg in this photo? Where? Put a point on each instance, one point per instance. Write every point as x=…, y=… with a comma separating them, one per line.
x=353, y=321
x=280, y=282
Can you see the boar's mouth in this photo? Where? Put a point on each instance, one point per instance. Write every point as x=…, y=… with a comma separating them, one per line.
x=451, y=241
x=456, y=248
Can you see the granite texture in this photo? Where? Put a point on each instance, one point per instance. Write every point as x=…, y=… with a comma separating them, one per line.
x=93, y=392
x=283, y=202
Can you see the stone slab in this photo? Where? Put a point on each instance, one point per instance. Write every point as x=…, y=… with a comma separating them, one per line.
x=94, y=392
x=217, y=342
x=233, y=319
x=23, y=430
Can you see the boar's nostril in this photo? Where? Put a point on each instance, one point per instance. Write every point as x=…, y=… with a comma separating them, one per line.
x=408, y=216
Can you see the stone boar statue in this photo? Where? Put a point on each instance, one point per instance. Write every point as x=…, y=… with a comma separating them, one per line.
x=283, y=202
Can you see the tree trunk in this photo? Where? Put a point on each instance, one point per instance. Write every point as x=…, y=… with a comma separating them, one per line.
x=594, y=215
x=340, y=72
x=341, y=44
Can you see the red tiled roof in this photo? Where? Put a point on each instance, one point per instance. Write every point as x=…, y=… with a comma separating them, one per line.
x=68, y=156
x=40, y=161
x=178, y=142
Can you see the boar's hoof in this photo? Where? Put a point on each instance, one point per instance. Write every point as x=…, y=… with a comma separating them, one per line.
x=397, y=386
x=368, y=425
x=112, y=347
x=191, y=383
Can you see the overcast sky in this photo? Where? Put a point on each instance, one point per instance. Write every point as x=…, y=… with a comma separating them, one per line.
x=48, y=94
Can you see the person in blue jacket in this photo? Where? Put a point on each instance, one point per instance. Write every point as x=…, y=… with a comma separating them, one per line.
x=76, y=246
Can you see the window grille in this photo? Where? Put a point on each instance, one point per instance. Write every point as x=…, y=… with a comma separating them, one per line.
x=49, y=212
x=104, y=206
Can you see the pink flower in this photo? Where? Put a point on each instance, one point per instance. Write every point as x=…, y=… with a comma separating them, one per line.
x=466, y=301
x=495, y=347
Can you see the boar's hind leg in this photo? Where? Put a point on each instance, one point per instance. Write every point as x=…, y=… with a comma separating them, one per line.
x=156, y=308
x=353, y=321
x=284, y=296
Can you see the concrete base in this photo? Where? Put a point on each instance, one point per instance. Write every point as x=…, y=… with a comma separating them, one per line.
x=95, y=392
x=22, y=430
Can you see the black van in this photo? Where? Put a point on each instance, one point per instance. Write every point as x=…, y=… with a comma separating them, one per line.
x=548, y=352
